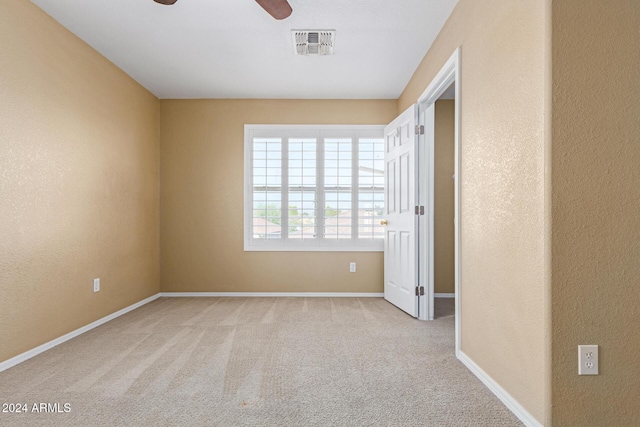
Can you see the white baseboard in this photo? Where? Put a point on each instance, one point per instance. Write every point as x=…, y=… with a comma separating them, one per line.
x=508, y=400
x=452, y=295
x=274, y=294
x=46, y=346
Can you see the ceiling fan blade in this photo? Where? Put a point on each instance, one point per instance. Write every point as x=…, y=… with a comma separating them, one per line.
x=279, y=9
x=167, y=2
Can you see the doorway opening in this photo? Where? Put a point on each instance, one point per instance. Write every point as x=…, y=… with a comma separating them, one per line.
x=443, y=176
x=410, y=200
x=439, y=113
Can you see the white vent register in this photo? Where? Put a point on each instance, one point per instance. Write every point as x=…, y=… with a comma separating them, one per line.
x=313, y=42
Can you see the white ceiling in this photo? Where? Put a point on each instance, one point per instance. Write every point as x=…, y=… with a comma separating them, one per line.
x=234, y=49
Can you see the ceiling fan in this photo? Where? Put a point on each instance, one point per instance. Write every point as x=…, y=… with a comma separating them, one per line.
x=279, y=9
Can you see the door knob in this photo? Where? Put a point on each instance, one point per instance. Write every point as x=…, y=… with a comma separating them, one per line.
x=384, y=222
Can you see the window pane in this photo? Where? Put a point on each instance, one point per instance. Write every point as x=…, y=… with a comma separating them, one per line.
x=338, y=173
x=302, y=188
x=337, y=215
x=302, y=162
x=302, y=215
x=267, y=194
x=266, y=215
x=337, y=162
x=370, y=187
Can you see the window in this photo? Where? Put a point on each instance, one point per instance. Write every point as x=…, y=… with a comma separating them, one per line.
x=314, y=188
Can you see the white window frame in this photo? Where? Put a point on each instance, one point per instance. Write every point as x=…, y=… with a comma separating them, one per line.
x=353, y=244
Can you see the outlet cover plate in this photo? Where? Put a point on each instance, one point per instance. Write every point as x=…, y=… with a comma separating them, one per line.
x=587, y=360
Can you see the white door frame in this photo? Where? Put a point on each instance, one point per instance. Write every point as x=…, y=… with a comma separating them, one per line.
x=425, y=176
x=448, y=74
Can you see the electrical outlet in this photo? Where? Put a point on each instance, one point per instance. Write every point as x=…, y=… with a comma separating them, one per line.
x=352, y=267
x=96, y=285
x=587, y=360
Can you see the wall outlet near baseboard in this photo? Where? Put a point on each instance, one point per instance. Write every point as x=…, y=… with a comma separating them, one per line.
x=96, y=285
x=352, y=267
x=587, y=360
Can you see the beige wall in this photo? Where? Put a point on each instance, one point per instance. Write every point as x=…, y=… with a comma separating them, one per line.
x=444, y=273
x=503, y=227
x=202, y=172
x=595, y=207
x=78, y=182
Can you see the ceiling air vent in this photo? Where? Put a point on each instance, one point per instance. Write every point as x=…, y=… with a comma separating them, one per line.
x=313, y=42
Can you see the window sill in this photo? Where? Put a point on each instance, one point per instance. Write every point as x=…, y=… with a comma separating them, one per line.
x=293, y=248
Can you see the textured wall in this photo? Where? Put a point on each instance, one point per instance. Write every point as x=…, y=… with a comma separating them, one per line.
x=202, y=161
x=78, y=182
x=595, y=207
x=444, y=274
x=503, y=227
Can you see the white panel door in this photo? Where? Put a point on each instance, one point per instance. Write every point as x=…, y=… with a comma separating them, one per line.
x=400, y=241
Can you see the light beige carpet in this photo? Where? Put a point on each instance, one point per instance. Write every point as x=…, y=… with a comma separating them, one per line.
x=256, y=362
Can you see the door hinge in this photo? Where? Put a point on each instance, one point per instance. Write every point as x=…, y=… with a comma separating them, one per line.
x=419, y=129
x=419, y=290
x=419, y=210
